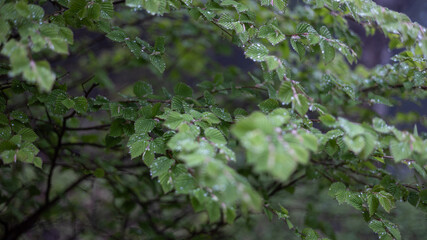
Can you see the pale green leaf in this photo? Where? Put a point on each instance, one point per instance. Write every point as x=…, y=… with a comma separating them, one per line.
x=268, y=105
x=215, y=136
x=160, y=166
x=373, y=204
x=256, y=52
x=158, y=62
x=400, y=150
x=141, y=89
x=380, y=125
x=81, y=104
x=285, y=93
x=144, y=125
x=182, y=89
x=28, y=134
x=300, y=104
x=355, y=144
x=117, y=35
x=386, y=200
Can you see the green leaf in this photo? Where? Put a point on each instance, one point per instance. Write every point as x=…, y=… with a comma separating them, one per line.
x=285, y=93
x=280, y=4
x=19, y=115
x=423, y=196
x=17, y=54
x=373, y=204
x=28, y=134
x=159, y=44
x=107, y=9
x=76, y=5
x=230, y=215
x=158, y=62
x=93, y=11
x=210, y=118
x=355, y=144
x=208, y=15
x=272, y=62
x=215, y=136
x=328, y=52
x=392, y=228
x=152, y=6
x=160, y=166
x=8, y=156
x=303, y=27
x=166, y=182
x=222, y=114
x=137, y=148
x=298, y=47
x=226, y=20
x=38, y=162
x=272, y=34
x=256, y=120
x=141, y=89
x=325, y=32
x=81, y=104
x=386, y=200
x=380, y=125
x=68, y=103
x=300, y=103
x=420, y=170
x=213, y=211
x=268, y=105
x=22, y=8
x=144, y=125
x=256, y=52
x=310, y=141
x=328, y=120
x=182, y=89
x=173, y=120
x=279, y=116
x=59, y=45
x=352, y=129
x=400, y=150
x=377, y=227
x=336, y=188
x=117, y=35
x=99, y=173
x=4, y=30
x=309, y=234
x=40, y=73
x=300, y=154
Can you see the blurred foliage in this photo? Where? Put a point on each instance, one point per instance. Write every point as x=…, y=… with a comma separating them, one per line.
x=137, y=119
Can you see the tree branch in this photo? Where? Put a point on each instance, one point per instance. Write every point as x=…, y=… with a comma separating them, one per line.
x=16, y=231
x=99, y=127
x=282, y=186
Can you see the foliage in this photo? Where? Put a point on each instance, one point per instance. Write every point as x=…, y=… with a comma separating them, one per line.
x=191, y=146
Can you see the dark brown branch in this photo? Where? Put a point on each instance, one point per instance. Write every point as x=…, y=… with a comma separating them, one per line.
x=54, y=158
x=148, y=100
x=84, y=144
x=90, y=88
x=99, y=127
x=87, y=92
x=144, y=206
x=10, y=199
x=16, y=231
x=59, y=142
x=283, y=186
